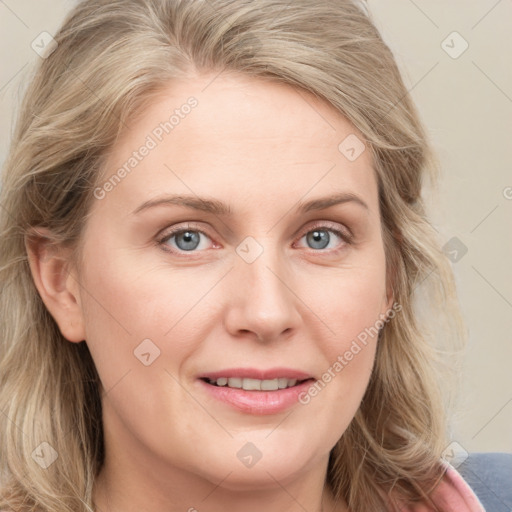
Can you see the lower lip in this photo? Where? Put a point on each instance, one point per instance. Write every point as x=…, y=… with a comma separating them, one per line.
x=257, y=402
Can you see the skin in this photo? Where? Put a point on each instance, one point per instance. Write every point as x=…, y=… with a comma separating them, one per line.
x=260, y=147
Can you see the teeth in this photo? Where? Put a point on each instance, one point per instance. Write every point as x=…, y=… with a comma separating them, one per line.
x=235, y=382
x=269, y=385
x=254, y=384
x=282, y=382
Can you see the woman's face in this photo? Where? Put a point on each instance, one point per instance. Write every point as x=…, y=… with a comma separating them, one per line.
x=263, y=280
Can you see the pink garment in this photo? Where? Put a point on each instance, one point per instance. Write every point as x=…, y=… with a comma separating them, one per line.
x=453, y=494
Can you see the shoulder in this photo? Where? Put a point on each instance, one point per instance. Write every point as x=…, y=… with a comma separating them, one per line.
x=453, y=494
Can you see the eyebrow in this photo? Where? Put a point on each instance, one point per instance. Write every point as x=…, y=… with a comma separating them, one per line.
x=216, y=207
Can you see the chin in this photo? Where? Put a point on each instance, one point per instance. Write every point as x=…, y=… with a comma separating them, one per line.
x=251, y=468
x=260, y=476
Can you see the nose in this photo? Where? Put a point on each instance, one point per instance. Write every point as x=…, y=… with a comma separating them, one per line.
x=261, y=301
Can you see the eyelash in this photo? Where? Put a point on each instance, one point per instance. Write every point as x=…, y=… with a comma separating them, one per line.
x=346, y=237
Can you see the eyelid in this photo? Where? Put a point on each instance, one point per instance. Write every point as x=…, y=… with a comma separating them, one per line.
x=343, y=230
x=167, y=234
x=339, y=229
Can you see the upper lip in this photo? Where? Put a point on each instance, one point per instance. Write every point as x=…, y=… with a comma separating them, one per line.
x=255, y=373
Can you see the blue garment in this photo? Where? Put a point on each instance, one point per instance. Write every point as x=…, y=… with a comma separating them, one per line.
x=490, y=477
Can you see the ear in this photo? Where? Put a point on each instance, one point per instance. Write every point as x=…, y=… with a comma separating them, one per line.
x=58, y=288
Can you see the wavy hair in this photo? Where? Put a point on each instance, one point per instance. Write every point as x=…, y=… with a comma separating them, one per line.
x=112, y=58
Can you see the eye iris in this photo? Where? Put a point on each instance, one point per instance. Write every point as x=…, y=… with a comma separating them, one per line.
x=190, y=238
x=319, y=236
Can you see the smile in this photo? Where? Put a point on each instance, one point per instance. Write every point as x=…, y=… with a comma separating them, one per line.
x=254, y=384
x=256, y=391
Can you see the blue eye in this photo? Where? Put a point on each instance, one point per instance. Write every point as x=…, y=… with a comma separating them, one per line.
x=188, y=239
x=319, y=238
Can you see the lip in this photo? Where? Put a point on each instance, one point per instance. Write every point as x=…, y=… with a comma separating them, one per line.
x=254, y=373
x=257, y=402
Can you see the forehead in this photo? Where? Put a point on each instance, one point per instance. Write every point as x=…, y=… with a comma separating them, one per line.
x=237, y=136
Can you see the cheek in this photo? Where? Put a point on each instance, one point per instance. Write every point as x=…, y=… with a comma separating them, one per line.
x=352, y=301
x=141, y=327
x=352, y=309
x=127, y=302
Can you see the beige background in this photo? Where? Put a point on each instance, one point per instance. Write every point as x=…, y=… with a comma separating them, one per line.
x=466, y=104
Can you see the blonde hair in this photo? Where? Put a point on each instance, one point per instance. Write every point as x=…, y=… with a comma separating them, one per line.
x=112, y=58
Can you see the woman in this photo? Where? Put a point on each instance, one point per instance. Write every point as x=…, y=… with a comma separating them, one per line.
x=214, y=238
